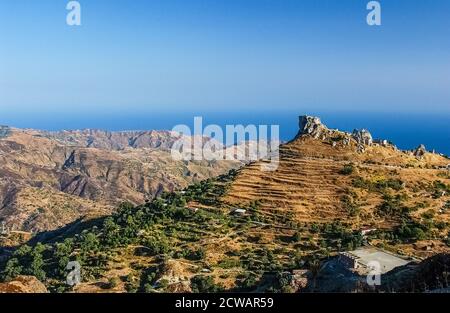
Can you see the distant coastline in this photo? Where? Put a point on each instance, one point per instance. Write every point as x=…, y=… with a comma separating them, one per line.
x=406, y=131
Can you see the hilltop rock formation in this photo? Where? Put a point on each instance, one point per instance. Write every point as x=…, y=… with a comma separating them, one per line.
x=312, y=126
x=308, y=180
x=325, y=192
x=420, y=151
x=362, y=137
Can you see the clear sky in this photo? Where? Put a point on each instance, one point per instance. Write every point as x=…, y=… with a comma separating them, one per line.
x=224, y=55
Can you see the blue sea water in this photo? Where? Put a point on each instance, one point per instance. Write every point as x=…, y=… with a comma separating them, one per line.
x=407, y=131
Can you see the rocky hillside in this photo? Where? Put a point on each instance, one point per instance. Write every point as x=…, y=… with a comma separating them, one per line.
x=23, y=284
x=253, y=230
x=326, y=175
x=48, y=179
x=431, y=275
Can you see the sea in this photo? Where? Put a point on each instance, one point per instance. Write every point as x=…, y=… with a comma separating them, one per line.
x=405, y=130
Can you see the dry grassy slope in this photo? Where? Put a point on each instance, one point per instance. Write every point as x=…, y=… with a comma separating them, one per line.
x=308, y=186
x=308, y=182
x=50, y=209
x=37, y=172
x=23, y=284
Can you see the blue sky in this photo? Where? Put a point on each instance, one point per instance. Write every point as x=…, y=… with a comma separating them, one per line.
x=223, y=56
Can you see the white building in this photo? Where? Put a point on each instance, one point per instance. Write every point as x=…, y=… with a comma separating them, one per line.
x=239, y=211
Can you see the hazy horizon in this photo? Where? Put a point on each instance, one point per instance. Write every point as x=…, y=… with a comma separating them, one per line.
x=196, y=56
x=153, y=65
x=406, y=130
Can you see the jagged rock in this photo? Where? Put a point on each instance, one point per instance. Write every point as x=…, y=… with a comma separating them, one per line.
x=173, y=273
x=383, y=143
x=362, y=137
x=23, y=284
x=300, y=279
x=420, y=151
x=346, y=141
x=70, y=161
x=312, y=126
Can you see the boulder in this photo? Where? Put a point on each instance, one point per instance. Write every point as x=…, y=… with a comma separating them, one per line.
x=23, y=284
x=420, y=151
x=312, y=126
x=362, y=137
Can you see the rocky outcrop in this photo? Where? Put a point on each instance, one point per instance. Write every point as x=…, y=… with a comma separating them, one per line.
x=432, y=274
x=312, y=126
x=23, y=284
x=100, y=139
x=362, y=137
x=420, y=151
x=173, y=273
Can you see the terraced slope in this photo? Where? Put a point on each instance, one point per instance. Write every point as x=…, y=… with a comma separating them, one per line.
x=309, y=182
x=329, y=186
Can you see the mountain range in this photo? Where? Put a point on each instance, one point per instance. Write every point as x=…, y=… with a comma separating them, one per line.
x=232, y=227
x=49, y=179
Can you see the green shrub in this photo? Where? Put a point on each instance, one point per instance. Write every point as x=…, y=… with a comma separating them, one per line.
x=247, y=281
x=379, y=185
x=348, y=169
x=297, y=237
x=204, y=284
x=113, y=282
x=350, y=206
x=392, y=206
x=229, y=263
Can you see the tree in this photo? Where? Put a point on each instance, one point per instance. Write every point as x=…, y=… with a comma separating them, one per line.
x=204, y=284
x=37, y=262
x=111, y=232
x=247, y=281
x=157, y=245
x=89, y=243
x=348, y=169
x=12, y=269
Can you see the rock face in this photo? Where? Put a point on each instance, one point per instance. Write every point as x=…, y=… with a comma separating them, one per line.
x=420, y=151
x=100, y=139
x=23, y=284
x=174, y=273
x=430, y=275
x=312, y=126
x=362, y=137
